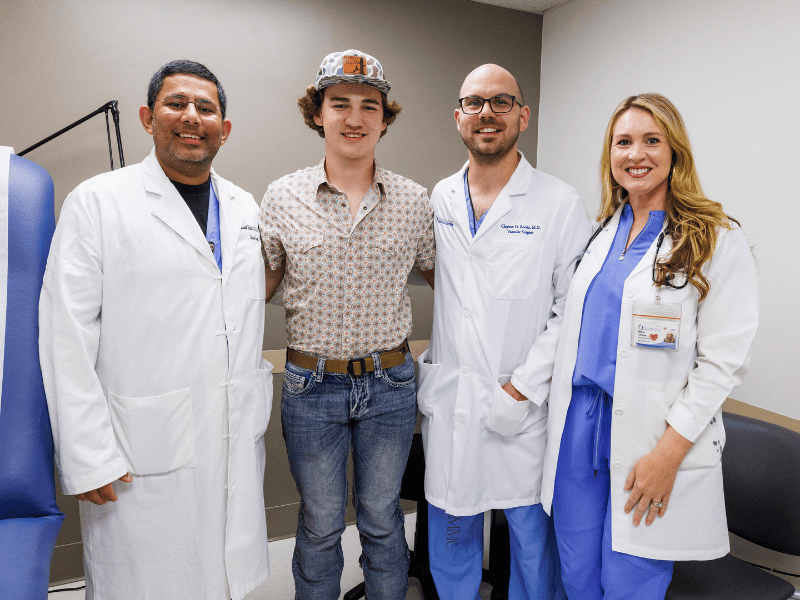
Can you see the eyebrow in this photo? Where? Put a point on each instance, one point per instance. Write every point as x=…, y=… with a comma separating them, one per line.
x=179, y=96
x=344, y=99
x=624, y=133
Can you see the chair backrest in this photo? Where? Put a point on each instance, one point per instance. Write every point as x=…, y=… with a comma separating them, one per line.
x=761, y=474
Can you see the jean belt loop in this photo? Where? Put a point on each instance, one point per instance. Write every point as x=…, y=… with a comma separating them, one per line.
x=376, y=358
x=320, y=369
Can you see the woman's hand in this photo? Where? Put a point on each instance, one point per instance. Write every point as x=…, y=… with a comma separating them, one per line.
x=653, y=476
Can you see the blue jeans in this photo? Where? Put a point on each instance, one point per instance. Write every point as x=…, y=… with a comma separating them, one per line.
x=324, y=415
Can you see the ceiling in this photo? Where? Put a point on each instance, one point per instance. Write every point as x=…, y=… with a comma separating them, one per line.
x=533, y=6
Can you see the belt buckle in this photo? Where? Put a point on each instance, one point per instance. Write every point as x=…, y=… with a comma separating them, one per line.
x=362, y=362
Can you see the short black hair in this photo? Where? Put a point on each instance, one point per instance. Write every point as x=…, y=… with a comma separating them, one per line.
x=183, y=67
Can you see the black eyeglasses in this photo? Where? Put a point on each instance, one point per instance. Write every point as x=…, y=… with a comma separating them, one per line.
x=500, y=104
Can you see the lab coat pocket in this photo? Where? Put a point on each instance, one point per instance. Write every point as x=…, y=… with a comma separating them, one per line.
x=512, y=270
x=155, y=434
x=707, y=448
x=254, y=261
x=426, y=384
x=507, y=416
x=263, y=394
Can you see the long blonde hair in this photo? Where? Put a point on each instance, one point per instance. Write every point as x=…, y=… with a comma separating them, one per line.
x=692, y=219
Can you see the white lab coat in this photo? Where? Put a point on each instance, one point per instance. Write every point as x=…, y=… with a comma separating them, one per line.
x=652, y=388
x=497, y=314
x=152, y=366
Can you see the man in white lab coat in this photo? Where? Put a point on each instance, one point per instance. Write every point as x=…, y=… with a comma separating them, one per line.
x=507, y=240
x=151, y=324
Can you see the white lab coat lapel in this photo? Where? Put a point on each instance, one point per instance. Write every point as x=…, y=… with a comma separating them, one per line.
x=231, y=217
x=171, y=208
x=518, y=185
x=598, y=250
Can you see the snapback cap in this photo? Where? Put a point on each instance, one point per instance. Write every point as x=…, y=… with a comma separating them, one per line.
x=351, y=66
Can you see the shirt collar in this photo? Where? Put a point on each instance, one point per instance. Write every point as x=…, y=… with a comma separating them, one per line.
x=319, y=176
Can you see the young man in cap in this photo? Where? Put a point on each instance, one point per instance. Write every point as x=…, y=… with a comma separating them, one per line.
x=508, y=237
x=343, y=236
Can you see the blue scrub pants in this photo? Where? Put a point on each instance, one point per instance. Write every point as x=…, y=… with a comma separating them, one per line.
x=456, y=553
x=590, y=569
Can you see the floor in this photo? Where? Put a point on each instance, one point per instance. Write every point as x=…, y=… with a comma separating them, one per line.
x=280, y=585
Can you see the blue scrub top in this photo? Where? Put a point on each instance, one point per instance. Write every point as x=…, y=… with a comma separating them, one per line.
x=212, y=227
x=474, y=225
x=597, y=346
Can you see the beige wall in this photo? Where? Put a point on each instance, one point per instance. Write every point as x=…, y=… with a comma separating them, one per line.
x=61, y=59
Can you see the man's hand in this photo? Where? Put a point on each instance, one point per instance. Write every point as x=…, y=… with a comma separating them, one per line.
x=512, y=391
x=103, y=494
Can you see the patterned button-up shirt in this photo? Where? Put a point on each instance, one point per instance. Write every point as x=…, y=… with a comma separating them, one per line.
x=345, y=288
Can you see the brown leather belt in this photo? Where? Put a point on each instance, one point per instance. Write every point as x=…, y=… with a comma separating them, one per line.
x=355, y=367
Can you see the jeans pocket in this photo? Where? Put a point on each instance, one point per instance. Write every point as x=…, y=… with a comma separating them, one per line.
x=401, y=375
x=297, y=381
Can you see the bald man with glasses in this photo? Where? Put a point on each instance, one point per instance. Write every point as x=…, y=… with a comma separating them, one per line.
x=507, y=239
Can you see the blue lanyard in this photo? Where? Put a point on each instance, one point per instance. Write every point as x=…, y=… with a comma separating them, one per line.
x=212, y=227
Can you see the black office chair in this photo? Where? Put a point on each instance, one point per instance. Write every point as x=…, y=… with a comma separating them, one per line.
x=413, y=488
x=761, y=474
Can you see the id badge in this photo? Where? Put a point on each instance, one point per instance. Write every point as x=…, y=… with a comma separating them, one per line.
x=656, y=325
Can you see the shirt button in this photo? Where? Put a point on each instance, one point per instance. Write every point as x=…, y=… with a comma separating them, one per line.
x=617, y=464
x=618, y=411
x=464, y=368
x=629, y=294
x=623, y=353
x=466, y=313
x=470, y=258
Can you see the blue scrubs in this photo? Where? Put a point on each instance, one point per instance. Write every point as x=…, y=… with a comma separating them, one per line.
x=456, y=554
x=474, y=224
x=456, y=543
x=212, y=227
x=591, y=570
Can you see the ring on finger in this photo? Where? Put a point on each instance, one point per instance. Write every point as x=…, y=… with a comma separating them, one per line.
x=656, y=504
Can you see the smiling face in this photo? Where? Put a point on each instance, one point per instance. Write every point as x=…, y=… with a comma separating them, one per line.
x=186, y=137
x=489, y=136
x=352, y=117
x=641, y=158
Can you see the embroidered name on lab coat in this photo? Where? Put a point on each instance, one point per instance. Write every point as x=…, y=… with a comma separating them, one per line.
x=443, y=222
x=518, y=228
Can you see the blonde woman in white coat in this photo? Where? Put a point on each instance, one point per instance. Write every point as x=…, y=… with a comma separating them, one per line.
x=657, y=330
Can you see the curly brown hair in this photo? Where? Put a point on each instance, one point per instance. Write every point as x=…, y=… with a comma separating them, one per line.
x=311, y=102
